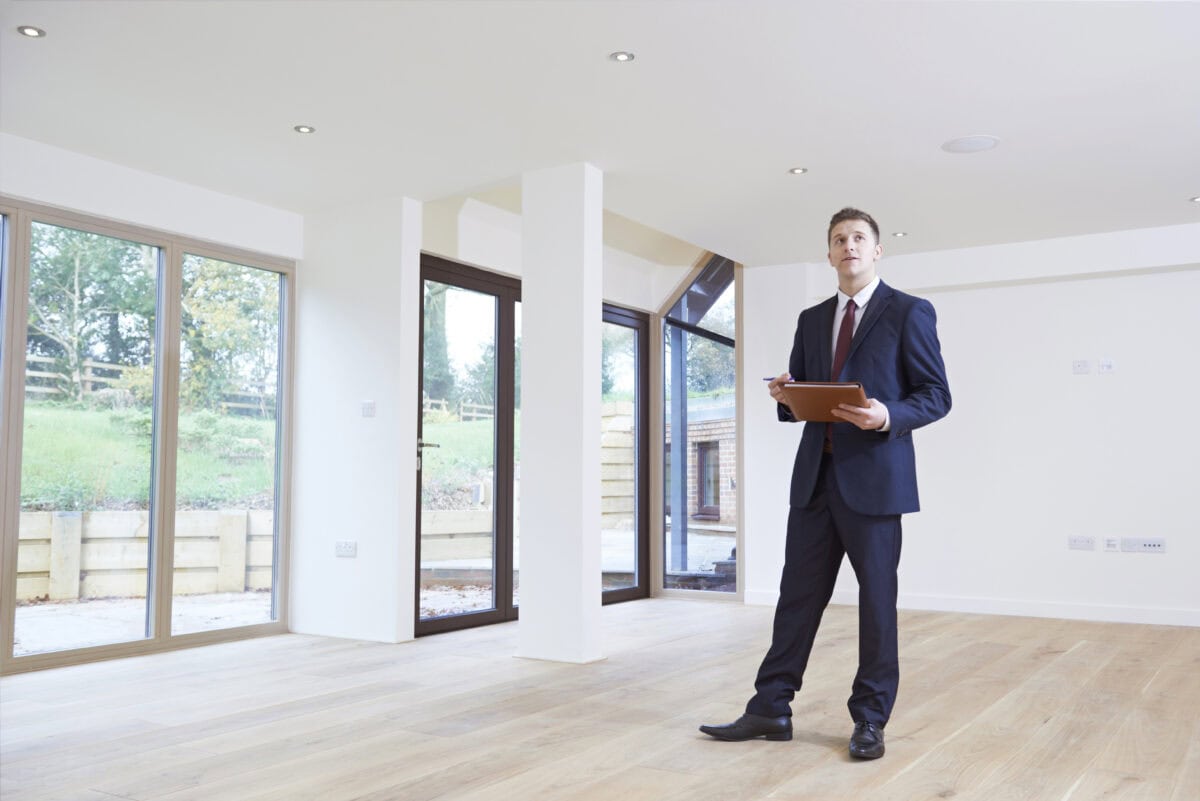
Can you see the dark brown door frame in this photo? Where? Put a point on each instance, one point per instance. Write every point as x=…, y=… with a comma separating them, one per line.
x=507, y=292
x=640, y=322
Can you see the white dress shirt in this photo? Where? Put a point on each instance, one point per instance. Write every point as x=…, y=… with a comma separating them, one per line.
x=860, y=301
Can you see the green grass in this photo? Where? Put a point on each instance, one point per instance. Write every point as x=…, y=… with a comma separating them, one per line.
x=79, y=459
x=464, y=447
x=464, y=459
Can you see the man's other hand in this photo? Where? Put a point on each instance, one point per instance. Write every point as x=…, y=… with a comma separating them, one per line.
x=872, y=417
x=775, y=387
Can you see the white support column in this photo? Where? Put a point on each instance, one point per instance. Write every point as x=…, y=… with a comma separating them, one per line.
x=562, y=265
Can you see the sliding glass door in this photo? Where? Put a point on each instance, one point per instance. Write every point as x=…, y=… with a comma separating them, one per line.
x=88, y=429
x=228, y=458
x=143, y=441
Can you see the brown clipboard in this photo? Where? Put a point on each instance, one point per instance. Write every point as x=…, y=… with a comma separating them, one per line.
x=812, y=400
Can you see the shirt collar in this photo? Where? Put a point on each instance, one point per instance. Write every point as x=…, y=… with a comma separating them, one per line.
x=862, y=298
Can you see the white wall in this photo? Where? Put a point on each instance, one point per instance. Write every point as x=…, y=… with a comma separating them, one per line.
x=44, y=174
x=1031, y=453
x=772, y=299
x=357, y=323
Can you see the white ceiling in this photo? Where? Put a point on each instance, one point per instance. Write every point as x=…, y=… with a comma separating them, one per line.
x=1097, y=105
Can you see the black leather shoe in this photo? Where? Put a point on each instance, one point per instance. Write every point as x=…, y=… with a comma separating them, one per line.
x=867, y=741
x=748, y=726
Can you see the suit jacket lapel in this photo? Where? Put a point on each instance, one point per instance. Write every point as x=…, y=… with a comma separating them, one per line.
x=825, y=339
x=879, y=302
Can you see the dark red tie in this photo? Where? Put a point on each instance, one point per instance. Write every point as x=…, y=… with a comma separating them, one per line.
x=845, y=334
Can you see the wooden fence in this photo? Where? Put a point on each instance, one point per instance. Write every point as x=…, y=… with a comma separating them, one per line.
x=618, y=471
x=77, y=555
x=257, y=401
x=465, y=410
x=64, y=556
x=91, y=380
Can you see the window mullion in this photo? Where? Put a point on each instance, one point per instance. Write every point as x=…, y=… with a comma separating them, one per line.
x=166, y=413
x=283, y=454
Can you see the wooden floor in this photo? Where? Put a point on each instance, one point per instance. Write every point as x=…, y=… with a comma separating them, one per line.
x=990, y=708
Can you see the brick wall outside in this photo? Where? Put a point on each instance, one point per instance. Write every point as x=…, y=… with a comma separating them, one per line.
x=724, y=433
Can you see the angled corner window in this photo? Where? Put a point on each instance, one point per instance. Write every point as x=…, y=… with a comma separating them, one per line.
x=700, y=434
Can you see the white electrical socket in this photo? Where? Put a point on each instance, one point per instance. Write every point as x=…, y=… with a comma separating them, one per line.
x=1081, y=542
x=345, y=548
x=1112, y=544
x=1081, y=367
x=1144, y=544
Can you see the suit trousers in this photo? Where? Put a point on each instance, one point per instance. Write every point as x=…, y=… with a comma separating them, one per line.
x=817, y=537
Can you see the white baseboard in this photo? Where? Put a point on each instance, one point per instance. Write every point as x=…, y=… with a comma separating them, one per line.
x=1103, y=613
x=761, y=597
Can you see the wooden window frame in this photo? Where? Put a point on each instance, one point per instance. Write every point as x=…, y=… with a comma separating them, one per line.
x=20, y=216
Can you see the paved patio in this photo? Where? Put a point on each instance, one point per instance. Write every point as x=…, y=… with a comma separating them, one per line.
x=59, y=625
x=56, y=626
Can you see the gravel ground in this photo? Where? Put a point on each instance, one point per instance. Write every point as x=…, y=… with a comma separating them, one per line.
x=438, y=601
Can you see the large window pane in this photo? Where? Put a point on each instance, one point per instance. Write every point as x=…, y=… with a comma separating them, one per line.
x=720, y=316
x=618, y=457
x=458, y=476
x=84, y=534
x=700, y=463
x=227, y=464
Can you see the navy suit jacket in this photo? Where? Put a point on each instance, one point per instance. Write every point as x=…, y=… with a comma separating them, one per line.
x=896, y=355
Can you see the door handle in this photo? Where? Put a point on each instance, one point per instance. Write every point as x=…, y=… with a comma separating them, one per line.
x=422, y=445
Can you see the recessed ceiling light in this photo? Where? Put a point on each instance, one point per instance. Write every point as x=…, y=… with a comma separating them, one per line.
x=1196, y=199
x=899, y=234
x=798, y=170
x=621, y=55
x=30, y=31
x=304, y=129
x=971, y=144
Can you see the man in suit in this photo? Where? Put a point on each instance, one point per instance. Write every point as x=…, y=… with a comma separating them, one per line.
x=851, y=482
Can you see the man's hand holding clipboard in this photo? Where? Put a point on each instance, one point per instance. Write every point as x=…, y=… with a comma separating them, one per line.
x=828, y=402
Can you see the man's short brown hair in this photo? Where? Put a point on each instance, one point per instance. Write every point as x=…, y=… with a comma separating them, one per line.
x=850, y=213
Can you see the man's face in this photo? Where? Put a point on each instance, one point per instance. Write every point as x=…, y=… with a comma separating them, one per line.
x=853, y=252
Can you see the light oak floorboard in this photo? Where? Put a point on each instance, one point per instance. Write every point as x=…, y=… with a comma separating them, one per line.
x=995, y=708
